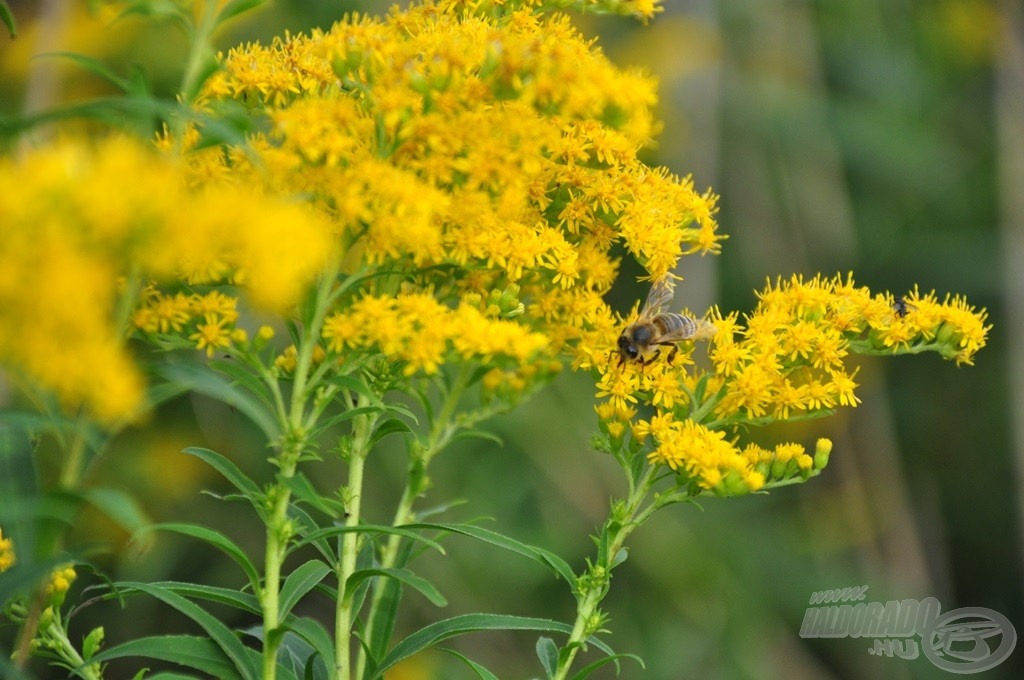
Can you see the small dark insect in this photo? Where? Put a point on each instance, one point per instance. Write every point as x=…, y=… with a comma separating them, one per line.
x=655, y=328
x=901, y=307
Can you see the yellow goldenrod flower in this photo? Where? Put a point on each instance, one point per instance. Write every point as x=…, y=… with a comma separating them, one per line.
x=79, y=228
x=7, y=558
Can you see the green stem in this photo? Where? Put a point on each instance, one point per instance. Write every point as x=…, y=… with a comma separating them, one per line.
x=350, y=544
x=416, y=479
x=624, y=518
x=200, y=52
x=278, y=535
x=56, y=639
x=294, y=441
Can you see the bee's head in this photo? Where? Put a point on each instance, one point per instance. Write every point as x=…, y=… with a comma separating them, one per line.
x=627, y=348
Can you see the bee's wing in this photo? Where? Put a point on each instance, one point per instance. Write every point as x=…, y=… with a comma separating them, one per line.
x=660, y=295
x=691, y=329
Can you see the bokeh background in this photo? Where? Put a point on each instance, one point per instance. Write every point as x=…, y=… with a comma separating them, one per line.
x=884, y=137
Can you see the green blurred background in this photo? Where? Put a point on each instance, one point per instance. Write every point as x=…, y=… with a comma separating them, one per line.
x=884, y=137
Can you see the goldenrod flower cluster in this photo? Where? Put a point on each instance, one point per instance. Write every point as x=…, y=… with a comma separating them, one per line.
x=788, y=360
x=91, y=216
x=462, y=148
x=418, y=331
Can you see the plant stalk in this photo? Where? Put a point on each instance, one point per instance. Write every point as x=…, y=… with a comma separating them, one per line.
x=617, y=528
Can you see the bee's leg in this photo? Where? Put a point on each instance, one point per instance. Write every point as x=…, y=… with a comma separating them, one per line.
x=672, y=354
x=650, y=359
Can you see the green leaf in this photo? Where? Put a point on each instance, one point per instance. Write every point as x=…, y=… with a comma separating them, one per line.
x=480, y=671
x=235, y=7
x=202, y=380
x=200, y=653
x=590, y=668
x=312, y=632
x=246, y=602
x=118, y=506
x=8, y=18
x=300, y=582
x=93, y=66
x=354, y=384
x=474, y=433
x=303, y=489
x=91, y=643
x=545, y=557
x=246, y=378
x=460, y=625
x=547, y=652
x=160, y=393
x=217, y=540
x=388, y=426
x=403, y=575
x=378, y=636
x=26, y=421
x=348, y=415
x=372, y=529
x=306, y=525
x=223, y=636
x=232, y=473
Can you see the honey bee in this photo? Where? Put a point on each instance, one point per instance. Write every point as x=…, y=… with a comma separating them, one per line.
x=655, y=328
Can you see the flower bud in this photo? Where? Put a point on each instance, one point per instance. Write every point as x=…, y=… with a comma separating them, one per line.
x=822, y=449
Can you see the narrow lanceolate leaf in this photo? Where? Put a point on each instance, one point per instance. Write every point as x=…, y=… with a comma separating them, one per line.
x=200, y=653
x=480, y=671
x=230, y=472
x=93, y=66
x=8, y=18
x=467, y=623
x=300, y=582
x=403, y=575
x=330, y=532
x=545, y=557
x=200, y=379
x=242, y=662
x=232, y=597
x=233, y=8
x=219, y=541
x=246, y=378
x=613, y=658
x=118, y=506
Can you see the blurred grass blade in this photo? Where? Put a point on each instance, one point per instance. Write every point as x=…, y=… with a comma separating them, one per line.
x=93, y=66
x=235, y=7
x=118, y=506
x=8, y=18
